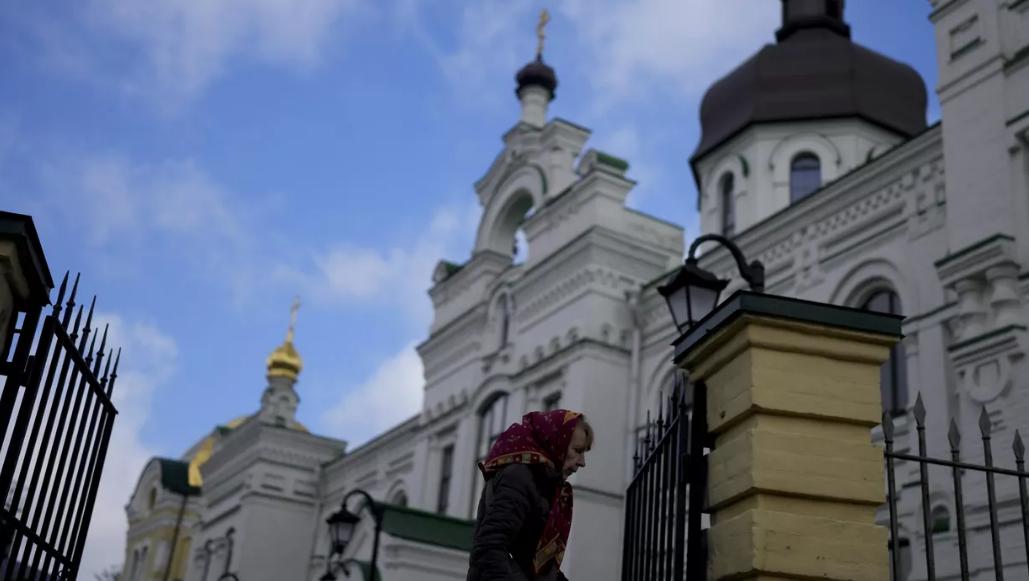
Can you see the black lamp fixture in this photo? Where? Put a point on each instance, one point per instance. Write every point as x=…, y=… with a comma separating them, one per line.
x=212, y=546
x=342, y=525
x=692, y=292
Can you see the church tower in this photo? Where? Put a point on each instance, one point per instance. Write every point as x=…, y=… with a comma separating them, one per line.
x=279, y=400
x=797, y=115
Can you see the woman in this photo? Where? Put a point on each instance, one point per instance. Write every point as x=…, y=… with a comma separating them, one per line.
x=525, y=511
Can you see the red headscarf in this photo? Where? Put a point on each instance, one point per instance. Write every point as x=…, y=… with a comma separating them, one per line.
x=541, y=438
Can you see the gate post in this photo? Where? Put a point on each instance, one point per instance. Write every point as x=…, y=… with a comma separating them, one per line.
x=793, y=477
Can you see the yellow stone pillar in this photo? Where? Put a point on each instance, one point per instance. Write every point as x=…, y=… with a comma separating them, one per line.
x=792, y=395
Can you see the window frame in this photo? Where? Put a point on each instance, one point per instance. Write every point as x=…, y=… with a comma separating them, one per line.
x=487, y=412
x=727, y=204
x=893, y=379
x=796, y=194
x=446, y=477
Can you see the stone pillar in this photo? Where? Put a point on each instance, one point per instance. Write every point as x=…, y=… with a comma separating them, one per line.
x=25, y=280
x=794, y=479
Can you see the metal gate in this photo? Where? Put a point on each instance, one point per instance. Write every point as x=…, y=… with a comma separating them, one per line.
x=663, y=539
x=56, y=417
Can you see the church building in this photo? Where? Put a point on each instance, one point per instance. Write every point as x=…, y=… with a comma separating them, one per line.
x=815, y=158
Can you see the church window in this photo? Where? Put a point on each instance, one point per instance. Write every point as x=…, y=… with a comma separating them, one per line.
x=805, y=176
x=445, y=475
x=940, y=519
x=728, y=205
x=400, y=498
x=152, y=500
x=893, y=381
x=552, y=402
x=492, y=423
x=504, y=314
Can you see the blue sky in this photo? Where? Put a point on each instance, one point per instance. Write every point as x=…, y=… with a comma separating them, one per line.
x=202, y=163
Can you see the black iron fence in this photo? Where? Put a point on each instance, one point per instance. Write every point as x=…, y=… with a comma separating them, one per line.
x=993, y=518
x=56, y=418
x=663, y=539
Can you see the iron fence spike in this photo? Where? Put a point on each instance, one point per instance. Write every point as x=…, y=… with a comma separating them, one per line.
x=954, y=436
x=1018, y=447
x=985, y=425
x=920, y=411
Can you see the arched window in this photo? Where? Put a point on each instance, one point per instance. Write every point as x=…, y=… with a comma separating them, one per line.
x=492, y=422
x=941, y=519
x=152, y=500
x=728, y=205
x=399, y=498
x=893, y=379
x=805, y=176
x=504, y=314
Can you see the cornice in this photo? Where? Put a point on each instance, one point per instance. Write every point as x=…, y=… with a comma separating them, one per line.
x=406, y=429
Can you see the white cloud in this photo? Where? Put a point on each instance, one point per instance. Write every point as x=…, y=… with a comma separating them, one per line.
x=632, y=47
x=392, y=394
x=177, y=48
x=148, y=362
x=397, y=276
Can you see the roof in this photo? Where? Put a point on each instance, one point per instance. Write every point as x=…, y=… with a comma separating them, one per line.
x=815, y=71
x=175, y=477
x=428, y=528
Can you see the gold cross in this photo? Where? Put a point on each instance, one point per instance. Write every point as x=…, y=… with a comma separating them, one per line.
x=293, y=318
x=541, y=31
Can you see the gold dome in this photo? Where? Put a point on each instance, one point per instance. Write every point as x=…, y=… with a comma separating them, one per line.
x=207, y=448
x=285, y=361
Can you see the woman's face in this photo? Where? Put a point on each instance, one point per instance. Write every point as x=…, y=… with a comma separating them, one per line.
x=576, y=456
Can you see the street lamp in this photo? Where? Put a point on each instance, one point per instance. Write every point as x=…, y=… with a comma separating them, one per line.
x=692, y=292
x=209, y=550
x=342, y=525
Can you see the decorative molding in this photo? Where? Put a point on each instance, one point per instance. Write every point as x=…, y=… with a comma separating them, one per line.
x=987, y=365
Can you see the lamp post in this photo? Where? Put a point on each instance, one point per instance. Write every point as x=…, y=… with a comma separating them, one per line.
x=342, y=524
x=692, y=292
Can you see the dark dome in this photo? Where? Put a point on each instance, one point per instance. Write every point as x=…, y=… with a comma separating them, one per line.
x=814, y=71
x=537, y=74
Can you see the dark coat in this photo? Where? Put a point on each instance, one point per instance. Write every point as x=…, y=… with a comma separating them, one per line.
x=511, y=527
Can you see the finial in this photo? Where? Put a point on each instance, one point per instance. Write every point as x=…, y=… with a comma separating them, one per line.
x=541, y=32
x=293, y=318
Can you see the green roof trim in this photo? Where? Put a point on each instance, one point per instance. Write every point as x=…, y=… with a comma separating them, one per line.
x=429, y=528
x=612, y=161
x=175, y=477
x=222, y=430
x=426, y=527
x=452, y=268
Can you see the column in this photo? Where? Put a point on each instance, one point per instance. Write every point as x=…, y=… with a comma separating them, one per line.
x=794, y=479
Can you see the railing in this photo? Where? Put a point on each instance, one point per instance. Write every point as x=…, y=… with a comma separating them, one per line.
x=54, y=452
x=963, y=475
x=667, y=493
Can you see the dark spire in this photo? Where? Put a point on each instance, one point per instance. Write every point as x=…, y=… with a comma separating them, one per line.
x=805, y=14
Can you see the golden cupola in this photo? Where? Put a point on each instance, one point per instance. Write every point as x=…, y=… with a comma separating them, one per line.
x=285, y=361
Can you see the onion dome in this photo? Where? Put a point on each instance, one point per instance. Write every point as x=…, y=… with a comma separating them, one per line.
x=814, y=71
x=285, y=361
x=536, y=74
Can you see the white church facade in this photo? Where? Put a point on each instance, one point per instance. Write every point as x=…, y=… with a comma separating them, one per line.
x=815, y=159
